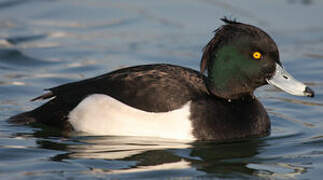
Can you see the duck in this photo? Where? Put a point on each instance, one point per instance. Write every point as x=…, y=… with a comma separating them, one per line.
x=170, y=101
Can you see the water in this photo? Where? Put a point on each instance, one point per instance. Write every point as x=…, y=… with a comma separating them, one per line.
x=47, y=43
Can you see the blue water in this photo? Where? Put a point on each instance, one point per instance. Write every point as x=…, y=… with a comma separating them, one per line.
x=44, y=43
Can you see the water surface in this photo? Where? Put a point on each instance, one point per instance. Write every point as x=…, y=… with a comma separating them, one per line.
x=47, y=43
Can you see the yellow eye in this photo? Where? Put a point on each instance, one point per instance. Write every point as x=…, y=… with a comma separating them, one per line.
x=257, y=55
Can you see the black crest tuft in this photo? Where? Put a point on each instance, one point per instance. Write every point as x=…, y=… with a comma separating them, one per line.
x=229, y=21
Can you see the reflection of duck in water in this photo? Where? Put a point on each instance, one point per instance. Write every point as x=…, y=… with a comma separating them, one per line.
x=127, y=155
x=170, y=101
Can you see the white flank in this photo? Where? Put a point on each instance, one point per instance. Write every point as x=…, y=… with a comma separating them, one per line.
x=100, y=114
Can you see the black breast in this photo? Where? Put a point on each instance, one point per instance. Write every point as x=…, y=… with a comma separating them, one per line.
x=218, y=119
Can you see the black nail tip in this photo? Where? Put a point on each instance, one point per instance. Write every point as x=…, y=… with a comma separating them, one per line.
x=309, y=92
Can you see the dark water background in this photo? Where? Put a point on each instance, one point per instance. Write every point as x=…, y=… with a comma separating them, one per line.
x=44, y=43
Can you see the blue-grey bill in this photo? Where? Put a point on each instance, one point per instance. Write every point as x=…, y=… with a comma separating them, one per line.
x=286, y=82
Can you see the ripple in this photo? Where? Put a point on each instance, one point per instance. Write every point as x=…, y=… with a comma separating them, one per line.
x=15, y=58
x=315, y=56
x=167, y=166
x=87, y=25
x=21, y=39
x=278, y=170
x=15, y=83
x=5, y=43
x=11, y=3
x=296, y=101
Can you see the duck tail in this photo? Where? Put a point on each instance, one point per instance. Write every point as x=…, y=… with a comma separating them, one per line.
x=22, y=118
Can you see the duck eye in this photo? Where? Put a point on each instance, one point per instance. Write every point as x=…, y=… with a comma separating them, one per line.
x=257, y=55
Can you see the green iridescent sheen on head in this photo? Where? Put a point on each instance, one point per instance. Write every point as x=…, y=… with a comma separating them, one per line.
x=230, y=65
x=230, y=70
x=233, y=70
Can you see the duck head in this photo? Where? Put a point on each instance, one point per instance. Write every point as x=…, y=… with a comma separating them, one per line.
x=240, y=58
